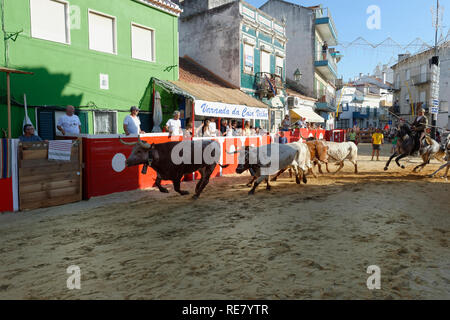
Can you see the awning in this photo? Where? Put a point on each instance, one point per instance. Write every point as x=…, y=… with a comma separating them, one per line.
x=308, y=113
x=218, y=94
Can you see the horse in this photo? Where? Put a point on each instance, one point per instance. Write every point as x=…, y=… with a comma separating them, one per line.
x=408, y=145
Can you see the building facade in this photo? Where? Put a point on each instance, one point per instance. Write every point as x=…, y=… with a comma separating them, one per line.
x=241, y=44
x=412, y=84
x=363, y=106
x=90, y=54
x=308, y=30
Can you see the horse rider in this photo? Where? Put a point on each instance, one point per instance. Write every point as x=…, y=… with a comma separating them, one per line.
x=419, y=126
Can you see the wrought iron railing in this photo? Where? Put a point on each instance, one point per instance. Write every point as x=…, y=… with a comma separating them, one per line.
x=268, y=84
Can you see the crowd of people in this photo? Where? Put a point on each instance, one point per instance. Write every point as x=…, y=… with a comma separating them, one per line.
x=288, y=125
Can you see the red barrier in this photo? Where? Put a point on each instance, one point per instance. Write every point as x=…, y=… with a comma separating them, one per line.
x=104, y=170
x=6, y=190
x=104, y=159
x=294, y=136
x=336, y=135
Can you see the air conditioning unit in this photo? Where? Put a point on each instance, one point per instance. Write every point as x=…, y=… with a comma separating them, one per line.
x=293, y=102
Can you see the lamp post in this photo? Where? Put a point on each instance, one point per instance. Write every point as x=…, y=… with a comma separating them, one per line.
x=297, y=76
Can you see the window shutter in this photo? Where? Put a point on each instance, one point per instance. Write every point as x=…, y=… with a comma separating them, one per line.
x=145, y=121
x=46, y=124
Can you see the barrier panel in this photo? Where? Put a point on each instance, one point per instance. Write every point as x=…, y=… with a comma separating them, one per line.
x=6, y=191
x=45, y=183
x=104, y=162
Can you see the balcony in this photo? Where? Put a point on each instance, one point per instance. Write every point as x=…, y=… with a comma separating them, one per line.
x=325, y=26
x=421, y=78
x=268, y=85
x=326, y=64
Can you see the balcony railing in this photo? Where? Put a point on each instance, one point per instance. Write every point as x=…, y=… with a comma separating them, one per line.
x=421, y=78
x=328, y=57
x=326, y=13
x=266, y=83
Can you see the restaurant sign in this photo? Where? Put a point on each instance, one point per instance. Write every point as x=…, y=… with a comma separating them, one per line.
x=224, y=110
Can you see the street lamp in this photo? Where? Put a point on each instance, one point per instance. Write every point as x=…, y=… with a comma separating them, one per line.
x=297, y=75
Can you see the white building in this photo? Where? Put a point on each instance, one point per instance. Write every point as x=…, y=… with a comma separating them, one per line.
x=412, y=84
x=365, y=103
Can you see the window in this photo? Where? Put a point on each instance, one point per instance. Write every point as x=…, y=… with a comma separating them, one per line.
x=407, y=75
x=265, y=61
x=423, y=96
x=142, y=43
x=423, y=73
x=279, y=65
x=249, y=58
x=105, y=122
x=50, y=20
x=102, y=32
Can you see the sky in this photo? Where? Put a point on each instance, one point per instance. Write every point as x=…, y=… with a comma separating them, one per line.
x=402, y=20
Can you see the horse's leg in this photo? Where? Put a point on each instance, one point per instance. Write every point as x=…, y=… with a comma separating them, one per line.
x=446, y=172
x=426, y=160
x=327, y=167
x=400, y=157
x=389, y=161
x=442, y=167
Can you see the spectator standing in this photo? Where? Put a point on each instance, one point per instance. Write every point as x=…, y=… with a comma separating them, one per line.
x=28, y=135
x=173, y=126
x=224, y=127
x=286, y=124
x=187, y=133
x=394, y=144
x=212, y=127
x=69, y=124
x=352, y=136
x=247, y=131
x=324, y=50
x=282, y=139
x=132, y=123
x=377, y=141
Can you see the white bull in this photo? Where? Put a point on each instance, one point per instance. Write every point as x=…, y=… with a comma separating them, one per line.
x=338, y=152
x=268, y=160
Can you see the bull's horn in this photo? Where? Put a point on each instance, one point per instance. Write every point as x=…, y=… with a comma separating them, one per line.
x=127, y=143
x=144, y=144
x=235, y=152
x=301, y=136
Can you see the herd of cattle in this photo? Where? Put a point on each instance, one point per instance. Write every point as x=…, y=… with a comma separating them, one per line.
x=172, y=160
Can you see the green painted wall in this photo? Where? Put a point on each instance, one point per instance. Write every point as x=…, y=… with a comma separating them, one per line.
x=70, y=74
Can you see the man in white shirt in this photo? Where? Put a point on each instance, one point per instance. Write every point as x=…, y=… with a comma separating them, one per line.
x=131, y=123
x=69, y=124
x=173, y=126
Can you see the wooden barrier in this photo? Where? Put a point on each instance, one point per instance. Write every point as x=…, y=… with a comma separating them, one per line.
x=45, y=183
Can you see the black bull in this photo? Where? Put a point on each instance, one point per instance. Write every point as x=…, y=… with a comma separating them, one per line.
x=172, y=160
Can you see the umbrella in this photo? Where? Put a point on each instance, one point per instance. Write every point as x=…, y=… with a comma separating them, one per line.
x=157, y=113
x=26, y=119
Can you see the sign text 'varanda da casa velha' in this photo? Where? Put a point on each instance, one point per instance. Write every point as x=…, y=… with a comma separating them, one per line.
x=224, y=110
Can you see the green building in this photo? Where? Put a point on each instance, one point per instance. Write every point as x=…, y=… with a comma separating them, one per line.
x=97, y=55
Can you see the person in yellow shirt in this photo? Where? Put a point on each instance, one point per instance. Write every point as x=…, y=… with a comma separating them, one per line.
x=377, y=141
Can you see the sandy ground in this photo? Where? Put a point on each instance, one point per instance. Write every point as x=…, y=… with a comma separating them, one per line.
x=312, y=241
